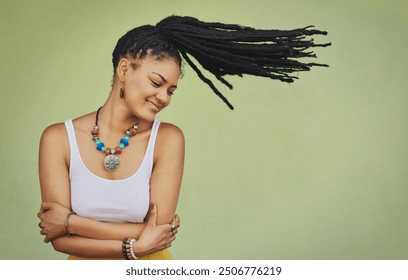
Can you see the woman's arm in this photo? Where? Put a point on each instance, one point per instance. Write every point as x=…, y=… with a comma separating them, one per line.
x=167, y=171
x=153, y=238
x=53, y=217
x=53, y=165
x=88, y=248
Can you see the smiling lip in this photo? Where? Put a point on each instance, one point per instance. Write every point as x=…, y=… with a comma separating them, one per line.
x=153, y=105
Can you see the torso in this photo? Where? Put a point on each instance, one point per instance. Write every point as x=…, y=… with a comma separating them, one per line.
x=119, y=196
x=169, y=139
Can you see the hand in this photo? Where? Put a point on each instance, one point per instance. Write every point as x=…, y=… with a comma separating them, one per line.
x=52, y=216
x=156, y=238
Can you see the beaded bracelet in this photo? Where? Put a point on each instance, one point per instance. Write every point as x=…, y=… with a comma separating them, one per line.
x=127, y=249
x=132, y=253
x=67, y=233
x=125, y=255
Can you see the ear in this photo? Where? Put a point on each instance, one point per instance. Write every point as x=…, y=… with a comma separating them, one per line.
x=122, y=68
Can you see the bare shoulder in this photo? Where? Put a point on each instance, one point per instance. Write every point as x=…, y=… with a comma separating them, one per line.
x=169, y=142
x=58, y=133
x=54, y=141
x=170, y=133
x=54, y=133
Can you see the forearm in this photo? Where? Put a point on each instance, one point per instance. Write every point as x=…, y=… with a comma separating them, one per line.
x=88, y=248
x=107, y=249
x=89, y=228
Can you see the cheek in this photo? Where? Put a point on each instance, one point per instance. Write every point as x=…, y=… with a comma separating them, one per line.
x=139, y=89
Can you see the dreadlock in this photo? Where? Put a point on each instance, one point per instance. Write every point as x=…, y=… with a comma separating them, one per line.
x=223, y=49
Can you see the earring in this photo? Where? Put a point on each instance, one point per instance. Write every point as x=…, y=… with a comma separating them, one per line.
x=122, y=91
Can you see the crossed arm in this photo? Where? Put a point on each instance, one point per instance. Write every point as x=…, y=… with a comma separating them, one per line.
x=97, y=239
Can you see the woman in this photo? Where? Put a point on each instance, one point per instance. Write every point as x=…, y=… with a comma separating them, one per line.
x=96, y=201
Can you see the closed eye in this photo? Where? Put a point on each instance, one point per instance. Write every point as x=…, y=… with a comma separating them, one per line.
x=156, y=84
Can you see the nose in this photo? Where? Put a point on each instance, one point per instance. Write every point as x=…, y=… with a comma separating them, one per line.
x=163, y=97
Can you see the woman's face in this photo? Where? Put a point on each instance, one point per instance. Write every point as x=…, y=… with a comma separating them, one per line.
x=149, y=87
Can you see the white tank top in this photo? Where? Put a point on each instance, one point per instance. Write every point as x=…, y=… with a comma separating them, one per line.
x=124, y=200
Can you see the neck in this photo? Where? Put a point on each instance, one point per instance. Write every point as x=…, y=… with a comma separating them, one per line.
x=116, y=117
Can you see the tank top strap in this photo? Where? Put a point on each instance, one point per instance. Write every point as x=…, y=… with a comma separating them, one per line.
x=75, y=157
x=151, y=144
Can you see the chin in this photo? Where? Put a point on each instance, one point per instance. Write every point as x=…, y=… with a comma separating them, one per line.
x=143, y=114
x=147, y=116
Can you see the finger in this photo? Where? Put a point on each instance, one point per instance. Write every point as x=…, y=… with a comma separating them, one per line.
x=45, y=206
x=39, y=225
x=177, y=220
x=171, y=234
x=46, y=240
x=152, y=215
x=171, y=239
x=38, y=214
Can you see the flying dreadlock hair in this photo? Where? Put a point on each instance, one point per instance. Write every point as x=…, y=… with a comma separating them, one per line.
x=223, y=49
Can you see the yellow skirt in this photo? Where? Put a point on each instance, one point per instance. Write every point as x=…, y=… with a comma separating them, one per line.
x=160, y=255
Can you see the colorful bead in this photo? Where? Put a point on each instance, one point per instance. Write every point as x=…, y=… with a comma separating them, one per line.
x=94, y=132
x=124, y=141
x=133, y=131
x=99, y=146
x=122, y=146
x=118, y=150
x=107, y=152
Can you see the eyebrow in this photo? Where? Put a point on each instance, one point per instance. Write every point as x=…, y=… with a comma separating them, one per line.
x=164, y=80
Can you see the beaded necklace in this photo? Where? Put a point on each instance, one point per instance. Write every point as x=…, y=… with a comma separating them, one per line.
x=111, y=161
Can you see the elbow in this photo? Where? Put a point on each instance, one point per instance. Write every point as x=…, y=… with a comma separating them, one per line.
x=57, y=245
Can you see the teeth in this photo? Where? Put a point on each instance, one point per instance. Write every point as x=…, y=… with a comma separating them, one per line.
x=157, y=108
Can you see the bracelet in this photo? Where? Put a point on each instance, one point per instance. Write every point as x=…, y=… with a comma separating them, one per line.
x=127, y=249
x=132, y=253
x=124, y=249
x=66, y=223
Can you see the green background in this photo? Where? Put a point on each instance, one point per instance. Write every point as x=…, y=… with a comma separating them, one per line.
x=312, y=170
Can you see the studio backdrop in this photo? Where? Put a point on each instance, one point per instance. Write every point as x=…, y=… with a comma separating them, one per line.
x=312, y=170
